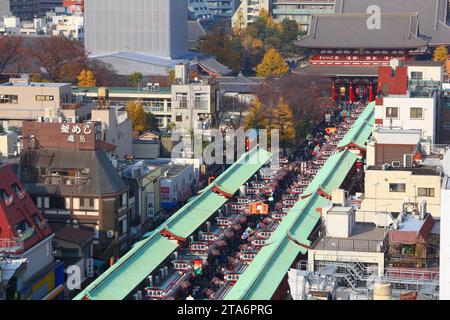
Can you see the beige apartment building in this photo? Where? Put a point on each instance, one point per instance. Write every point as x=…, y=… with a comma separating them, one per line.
x=22, y=100
x=397, y=189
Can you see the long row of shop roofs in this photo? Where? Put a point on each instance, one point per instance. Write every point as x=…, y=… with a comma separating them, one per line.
x=263, y=276
x=145, y=256
x=361, y=129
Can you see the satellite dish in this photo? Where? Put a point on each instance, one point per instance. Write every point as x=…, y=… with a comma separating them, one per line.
x=110, y=234
x=446, y=163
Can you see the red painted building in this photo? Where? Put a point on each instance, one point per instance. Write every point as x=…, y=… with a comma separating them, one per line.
x=21, y=222
x=74, y=5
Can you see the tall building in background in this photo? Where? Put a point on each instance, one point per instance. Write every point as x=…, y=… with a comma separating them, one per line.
x=223, y=8
x=74, y=5
x=157, y=27
x=300, y=10
x=29, y=9
x=4, y=8
x=248, y=11
x=198, y=9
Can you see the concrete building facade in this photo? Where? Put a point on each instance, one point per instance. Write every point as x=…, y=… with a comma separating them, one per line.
x=157, y=27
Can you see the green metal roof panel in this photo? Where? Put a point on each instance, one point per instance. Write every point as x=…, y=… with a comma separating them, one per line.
x=264, y=274
x=145, y=256
x=201, y=207
x=120, y=279
x=192, y=217
x=361, y=129
x=243, y=169
x=333, y=173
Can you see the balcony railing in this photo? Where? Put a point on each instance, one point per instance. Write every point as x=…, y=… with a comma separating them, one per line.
x=11, y=246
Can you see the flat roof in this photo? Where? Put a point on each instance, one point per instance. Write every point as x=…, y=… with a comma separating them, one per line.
x=420, y=171
x=122, y=90
x=34, y=84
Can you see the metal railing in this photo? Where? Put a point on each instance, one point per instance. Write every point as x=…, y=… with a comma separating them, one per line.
x=11, y=246
x=354, y=245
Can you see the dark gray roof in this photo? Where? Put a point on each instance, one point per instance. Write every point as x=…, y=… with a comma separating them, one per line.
x=349, y=30
x=432, y=14
x=103, y=177
x=196, y=30
x=212, y=65
x=74, y=235
x=361, y=71
x=239, y=84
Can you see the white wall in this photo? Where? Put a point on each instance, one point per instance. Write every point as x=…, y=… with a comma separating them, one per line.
x=426, y=124
x=444, y=267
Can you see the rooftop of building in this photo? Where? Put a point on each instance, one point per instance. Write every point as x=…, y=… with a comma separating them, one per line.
x=25, y=83
x=365, y=237
x=74, y=235
x=100, y=177
x=350, y=31
x=431, y=15
x=123, y=90
x=420, y=171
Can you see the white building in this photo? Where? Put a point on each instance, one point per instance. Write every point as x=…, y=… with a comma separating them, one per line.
x=248, y=12
x=411, y=97
x=70, y=26
x=444, y=284
x=198, y=9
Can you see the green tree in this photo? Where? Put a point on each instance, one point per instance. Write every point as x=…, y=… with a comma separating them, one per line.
x=272, y=65
x=137, y=115
x=289, y=31
x=226, y=47
x=152, y=123
x=135, y=78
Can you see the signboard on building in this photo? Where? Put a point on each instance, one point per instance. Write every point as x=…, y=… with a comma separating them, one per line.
x=61, y=135
x=150, y=204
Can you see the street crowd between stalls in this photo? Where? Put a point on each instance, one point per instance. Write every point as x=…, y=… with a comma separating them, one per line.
x=209, y=264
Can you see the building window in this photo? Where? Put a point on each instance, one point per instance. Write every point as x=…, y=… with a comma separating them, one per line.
x=182, y=99
x=416, y=75
x=87, y=203
x=44, y=98
x=21, y=227
x=416, y=113
x=9, y=98
x=392, y=112
x=178, y=117
x=425, y=192
x=201, y=101
x=57, y=203
x=397, y=187
x=4, y=195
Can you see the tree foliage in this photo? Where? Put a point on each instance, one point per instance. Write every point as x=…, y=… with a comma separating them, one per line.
x=257, y=117
x=151, y=122
x=137, y=115
x=225, y=46
x=440, y=54
x=135, y=79
x=60, y=58
x=272, y=65
x=86, y=79
x=282, y=120
x=10, y=51
x=171, y=77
